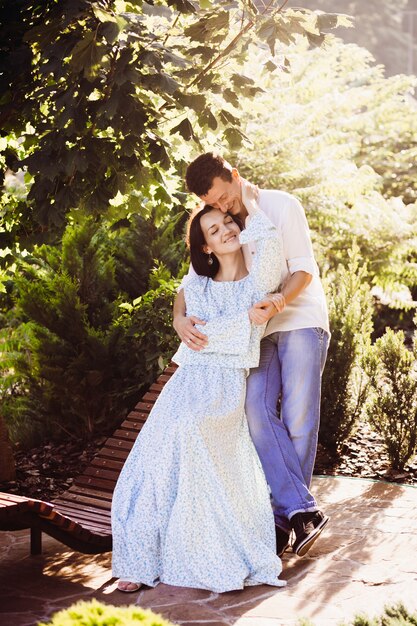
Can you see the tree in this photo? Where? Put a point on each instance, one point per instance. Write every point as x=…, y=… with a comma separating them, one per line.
x=343, y=138
x=99, y=99
x=380, y=27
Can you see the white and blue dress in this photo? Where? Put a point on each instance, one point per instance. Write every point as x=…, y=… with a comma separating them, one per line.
x=191, y=507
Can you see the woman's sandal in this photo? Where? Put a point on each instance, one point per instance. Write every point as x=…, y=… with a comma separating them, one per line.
x=128, y=586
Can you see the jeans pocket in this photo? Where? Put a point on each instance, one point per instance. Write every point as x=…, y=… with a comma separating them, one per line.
x=319, y=332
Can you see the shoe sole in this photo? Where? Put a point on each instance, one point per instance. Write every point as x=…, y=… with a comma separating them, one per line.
x=305, y=545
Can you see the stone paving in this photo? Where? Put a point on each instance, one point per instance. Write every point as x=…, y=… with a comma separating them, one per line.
x=366, y=558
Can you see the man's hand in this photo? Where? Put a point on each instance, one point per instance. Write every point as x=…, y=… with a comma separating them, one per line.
x=187, y=332
x=262, y=311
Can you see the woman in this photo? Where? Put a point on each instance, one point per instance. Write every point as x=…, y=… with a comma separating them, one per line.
x=191, y=506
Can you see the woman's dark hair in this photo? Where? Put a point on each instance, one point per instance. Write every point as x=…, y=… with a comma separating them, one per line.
x=203, y=170
x=196, y=242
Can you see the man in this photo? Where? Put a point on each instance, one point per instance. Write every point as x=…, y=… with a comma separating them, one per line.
x=293, y=352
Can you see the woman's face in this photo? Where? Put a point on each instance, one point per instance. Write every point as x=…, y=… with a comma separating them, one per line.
x=221, y=233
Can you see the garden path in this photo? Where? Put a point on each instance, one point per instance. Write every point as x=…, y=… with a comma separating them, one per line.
x=365, y=559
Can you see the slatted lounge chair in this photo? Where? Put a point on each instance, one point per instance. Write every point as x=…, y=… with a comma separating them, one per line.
x=80, y=517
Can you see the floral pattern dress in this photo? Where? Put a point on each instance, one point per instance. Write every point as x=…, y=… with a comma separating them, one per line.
x=191, y=507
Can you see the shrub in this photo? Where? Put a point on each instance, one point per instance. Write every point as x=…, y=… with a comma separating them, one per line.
x=344, y=387
x=392, y=410
x=74, y=362
x=97, y=614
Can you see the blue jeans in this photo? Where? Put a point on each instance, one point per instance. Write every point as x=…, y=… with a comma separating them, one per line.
x=290, y=369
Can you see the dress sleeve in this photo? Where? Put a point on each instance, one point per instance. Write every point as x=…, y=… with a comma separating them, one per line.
x=227, y=335
x=266, y=267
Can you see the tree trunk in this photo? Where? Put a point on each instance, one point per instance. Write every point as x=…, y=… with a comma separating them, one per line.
x=7, y=464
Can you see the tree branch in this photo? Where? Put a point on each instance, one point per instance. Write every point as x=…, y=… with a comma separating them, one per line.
x=234, y=41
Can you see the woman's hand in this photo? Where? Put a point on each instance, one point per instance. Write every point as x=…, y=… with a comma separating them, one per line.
x=261, y=312
x=187, y=332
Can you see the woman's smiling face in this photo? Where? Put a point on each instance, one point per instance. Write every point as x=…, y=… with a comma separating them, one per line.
x=221, y=233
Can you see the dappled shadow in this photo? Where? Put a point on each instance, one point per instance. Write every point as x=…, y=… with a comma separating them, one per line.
x=369, y=543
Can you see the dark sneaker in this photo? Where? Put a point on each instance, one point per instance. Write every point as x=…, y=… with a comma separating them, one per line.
x=283, y=540
x=307, y=527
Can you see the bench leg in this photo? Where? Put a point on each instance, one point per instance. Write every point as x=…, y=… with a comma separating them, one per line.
x=35, y=540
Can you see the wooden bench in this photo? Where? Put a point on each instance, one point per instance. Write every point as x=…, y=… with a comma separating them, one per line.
x=80, y=517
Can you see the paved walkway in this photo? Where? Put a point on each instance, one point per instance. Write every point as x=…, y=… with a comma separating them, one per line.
x=366, y=558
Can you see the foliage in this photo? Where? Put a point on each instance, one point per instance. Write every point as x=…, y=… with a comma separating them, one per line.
x=343, y=138
x=392, y=411
x=102, y=104
x=378, y=27
x=344, y=388
x=72, y=362
x=396, y=615
x=99, y=99
x=95, y=613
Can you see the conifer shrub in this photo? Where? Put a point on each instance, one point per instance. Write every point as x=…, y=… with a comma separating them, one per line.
x=76, y=361
x=344, y=387
x=392, y=409
x=98, y=614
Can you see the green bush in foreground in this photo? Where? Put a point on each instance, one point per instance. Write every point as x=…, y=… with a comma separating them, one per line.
x=97, y=614
x=396, y=615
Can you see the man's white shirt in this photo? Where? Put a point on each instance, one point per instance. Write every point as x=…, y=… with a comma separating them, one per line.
x=309, y=309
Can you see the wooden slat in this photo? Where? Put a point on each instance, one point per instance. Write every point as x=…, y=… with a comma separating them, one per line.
x=150, y=397
x=96, y=483
x=125, y=434
x=144, y=407
x=68, y=508
x=119, y=444
x=113, y=453
x=136, y=426
x=99, y=505
x=82, y=516
x=107, y=464
x=102, y=473
x=89, y=492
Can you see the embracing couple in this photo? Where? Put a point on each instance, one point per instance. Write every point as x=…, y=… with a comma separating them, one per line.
x=217, y=483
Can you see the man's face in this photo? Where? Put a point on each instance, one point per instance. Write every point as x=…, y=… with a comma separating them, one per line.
x=225, y=195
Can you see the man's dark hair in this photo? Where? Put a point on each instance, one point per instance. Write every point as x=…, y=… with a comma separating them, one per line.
x=201, y=172
x=196, y=242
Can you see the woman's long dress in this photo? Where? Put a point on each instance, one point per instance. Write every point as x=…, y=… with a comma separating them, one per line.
x=191, y=506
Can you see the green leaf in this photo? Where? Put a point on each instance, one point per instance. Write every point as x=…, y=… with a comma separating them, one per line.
x=316, y=41
x=80, y=54
x=333, y=20
x=208, y=27
x=228, y=118
x=184, y=129
x=160, y=82
x=270, y=66
x=206, y=117
x=234, y=138
x=192, y=101
x=231, y=96
x=110, y=31
x=102, y=15
x=183, y=6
